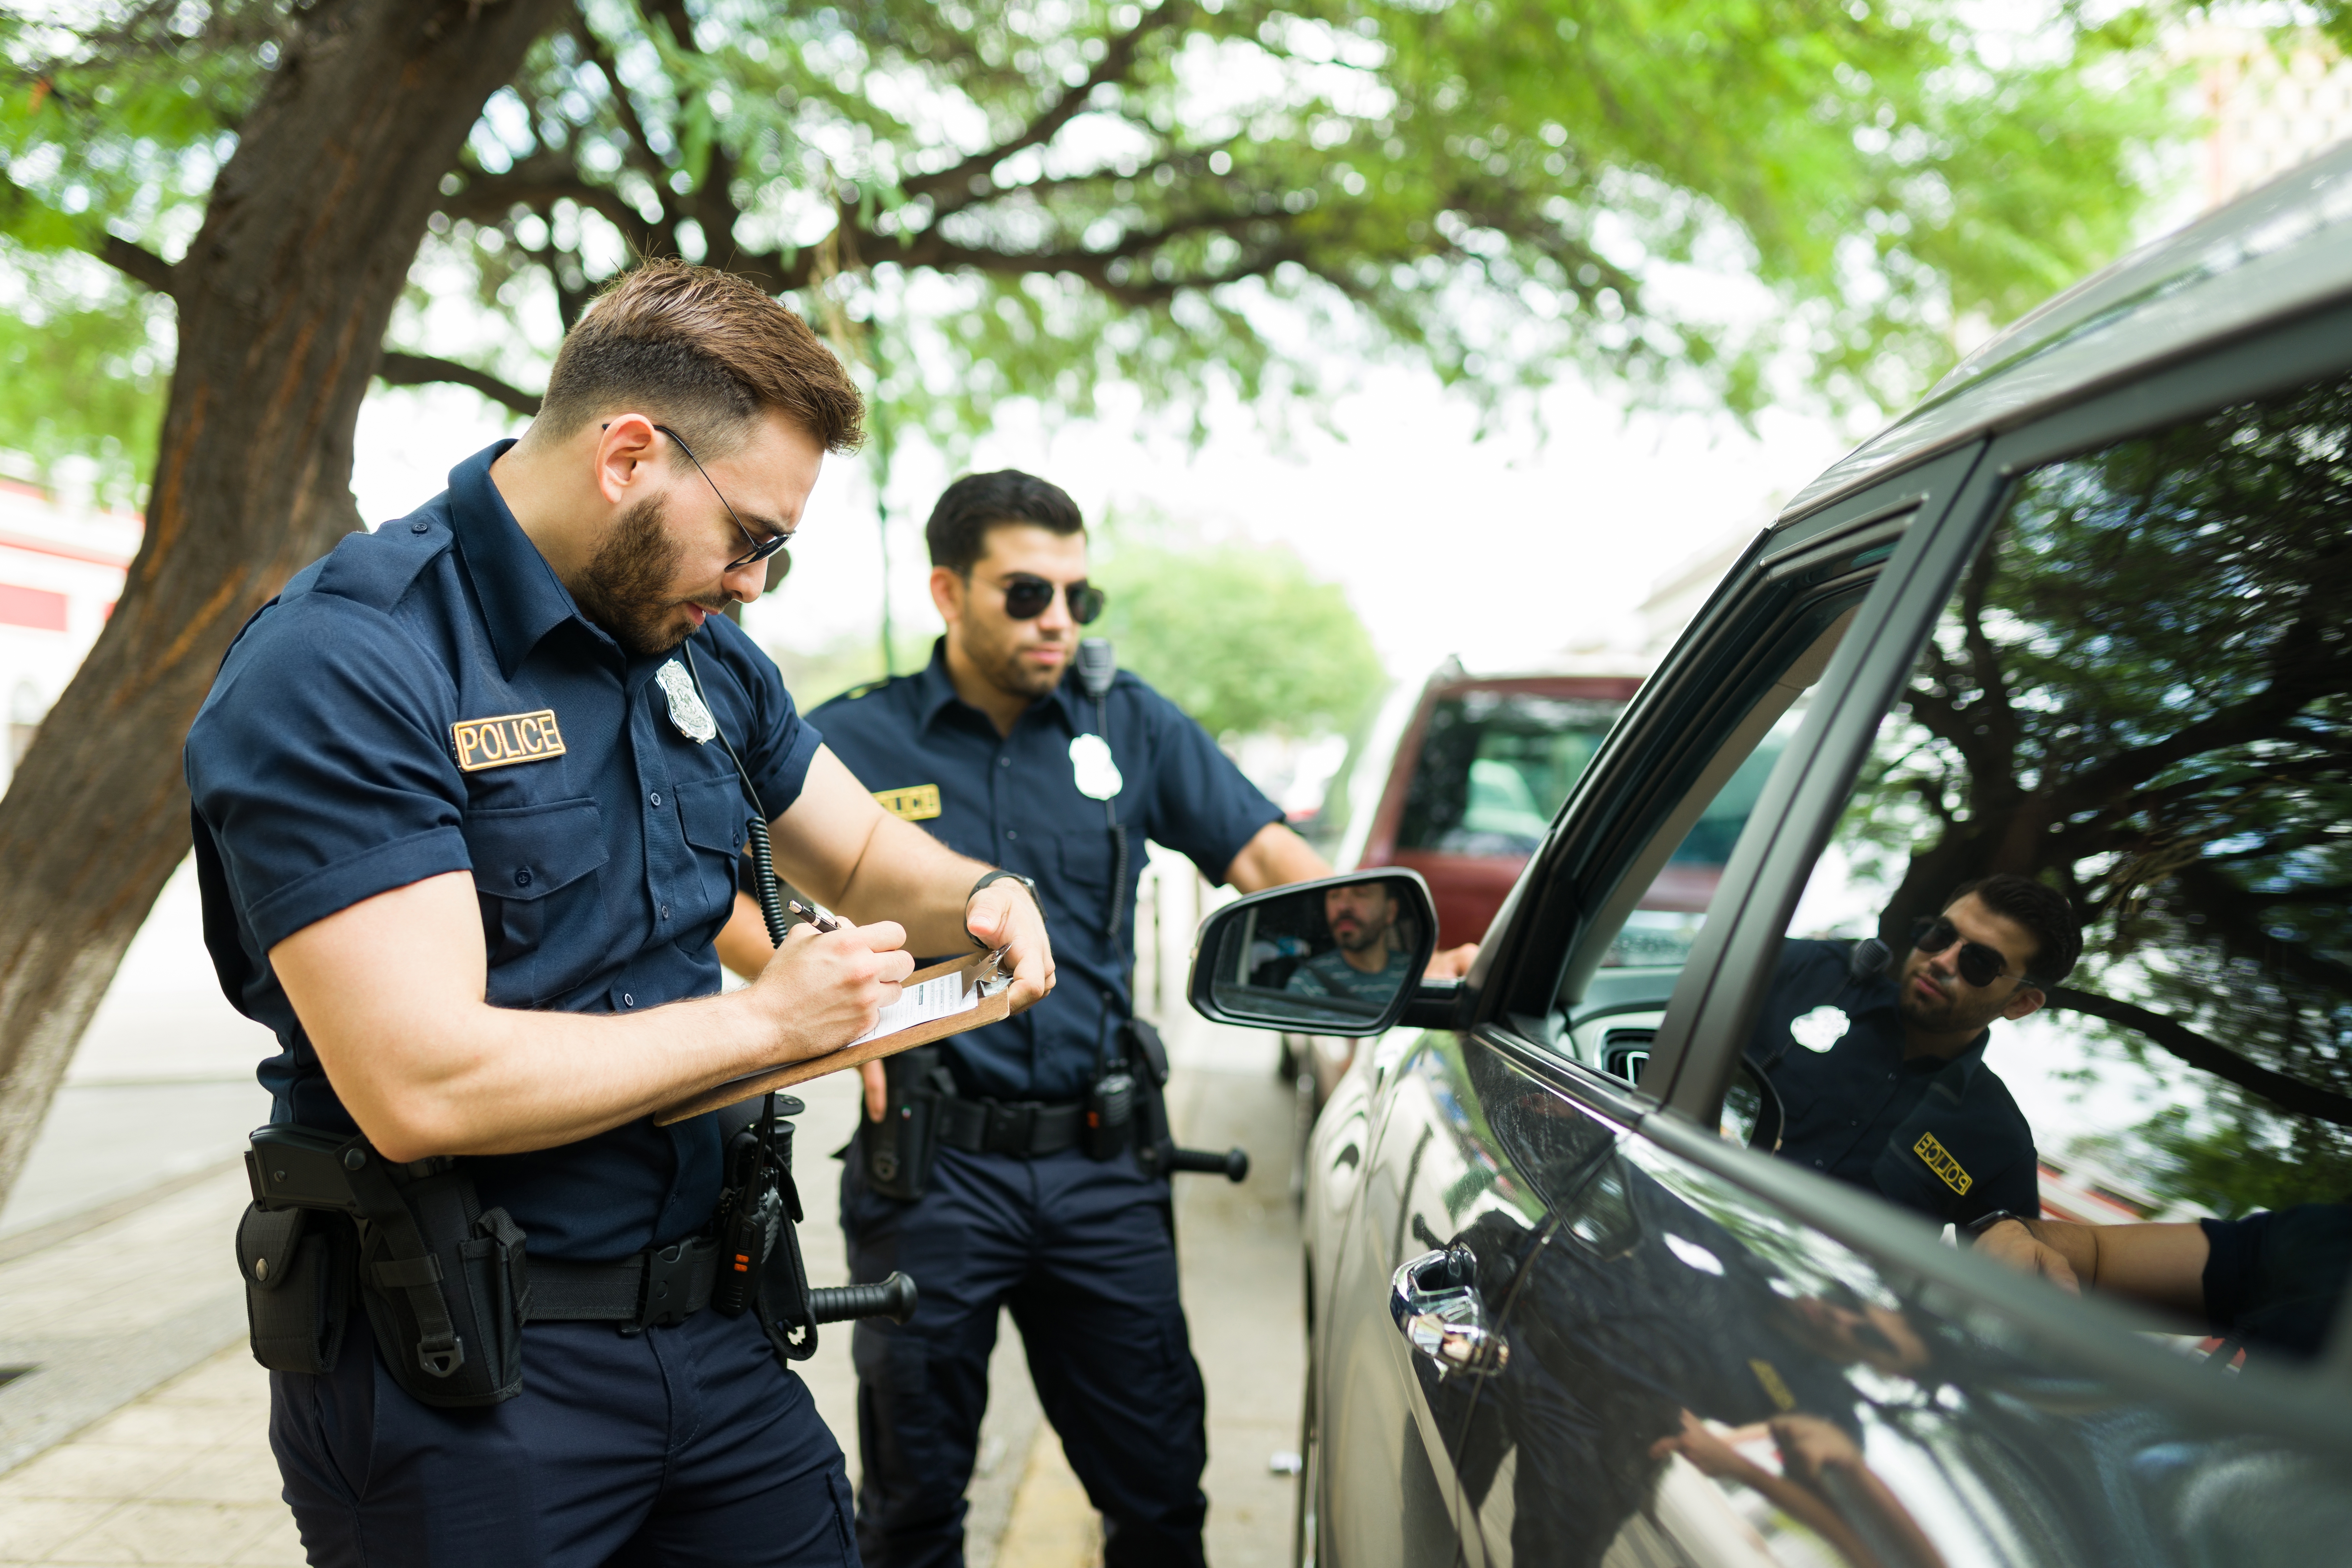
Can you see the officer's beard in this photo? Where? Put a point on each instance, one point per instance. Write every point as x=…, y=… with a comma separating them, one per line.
x=626, y=588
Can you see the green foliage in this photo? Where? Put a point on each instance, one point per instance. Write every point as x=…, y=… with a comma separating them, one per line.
x=82, y=374
x=1241, y=637
x=1702, y=200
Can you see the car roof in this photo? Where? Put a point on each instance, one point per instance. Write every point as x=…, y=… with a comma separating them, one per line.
x=2276, y=251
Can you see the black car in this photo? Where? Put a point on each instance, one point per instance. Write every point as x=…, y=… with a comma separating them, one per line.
x=2085, y=617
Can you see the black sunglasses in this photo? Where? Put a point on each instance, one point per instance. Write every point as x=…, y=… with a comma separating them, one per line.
x=1026, y=597
x=1980, y=962
x=761, y=547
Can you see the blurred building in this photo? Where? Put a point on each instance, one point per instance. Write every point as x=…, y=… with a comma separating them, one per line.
x=62, y=561
x=2271, y=104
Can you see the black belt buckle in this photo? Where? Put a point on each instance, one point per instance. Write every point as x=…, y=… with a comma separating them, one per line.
x=1012, y=1129
x=666, y=1294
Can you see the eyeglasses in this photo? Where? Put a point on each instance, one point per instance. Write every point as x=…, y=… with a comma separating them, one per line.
x=1027, y=596
x=1980, y=963
x=761, y=547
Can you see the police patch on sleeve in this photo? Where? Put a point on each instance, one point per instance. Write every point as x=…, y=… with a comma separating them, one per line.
x=1939, y=1160
x=501, y=742
x=916, y=803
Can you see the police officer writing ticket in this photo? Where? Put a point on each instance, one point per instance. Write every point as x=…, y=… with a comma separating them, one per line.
x=470, y=796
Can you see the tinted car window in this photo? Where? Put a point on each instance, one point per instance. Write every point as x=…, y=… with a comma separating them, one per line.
x=2139, y=697
x=1495, y=766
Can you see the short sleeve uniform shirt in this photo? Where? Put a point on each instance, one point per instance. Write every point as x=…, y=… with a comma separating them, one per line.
x=1015, y=801
x=1941, y=1137
x=428, y=699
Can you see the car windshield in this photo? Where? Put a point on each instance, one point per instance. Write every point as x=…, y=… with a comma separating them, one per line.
x=1494, y=768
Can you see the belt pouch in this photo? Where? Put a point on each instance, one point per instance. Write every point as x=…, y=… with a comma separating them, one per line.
x=901, y=1147
x=473, y=1260
x=296, y=1265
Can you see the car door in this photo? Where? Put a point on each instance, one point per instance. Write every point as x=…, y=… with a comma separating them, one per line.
x=2102, y=663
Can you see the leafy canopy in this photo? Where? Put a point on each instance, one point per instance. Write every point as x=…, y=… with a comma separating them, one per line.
x=992, y=200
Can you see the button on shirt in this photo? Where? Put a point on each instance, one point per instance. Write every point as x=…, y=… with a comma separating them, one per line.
x=325, y=769
x=1942, y=1137
x=1014, y=801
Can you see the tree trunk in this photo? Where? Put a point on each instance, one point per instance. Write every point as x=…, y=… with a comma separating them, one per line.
x=284, y=295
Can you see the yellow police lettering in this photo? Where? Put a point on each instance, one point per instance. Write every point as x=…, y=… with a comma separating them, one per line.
x=506, y=740
x=1775, y=1386
x=1939, y=1160
x=916, y=803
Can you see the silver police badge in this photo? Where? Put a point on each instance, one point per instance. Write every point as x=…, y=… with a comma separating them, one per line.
x=685, y=709
x=1090, y=762
x=1820, y=1029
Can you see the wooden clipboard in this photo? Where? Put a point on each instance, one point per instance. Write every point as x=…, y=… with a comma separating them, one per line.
x=992, y=1009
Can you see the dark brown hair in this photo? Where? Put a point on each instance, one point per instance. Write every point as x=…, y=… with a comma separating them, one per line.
x=2042, y=910
x=968, y=508
x=703, y=351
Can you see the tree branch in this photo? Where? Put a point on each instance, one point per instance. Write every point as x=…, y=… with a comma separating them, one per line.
x=398, y=369
x=951, y=188
x=539, y=185
x=136, y=262
x=2289, y=1093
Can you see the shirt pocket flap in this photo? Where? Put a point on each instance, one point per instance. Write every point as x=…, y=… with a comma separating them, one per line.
x=713, y=811
x=527, y=852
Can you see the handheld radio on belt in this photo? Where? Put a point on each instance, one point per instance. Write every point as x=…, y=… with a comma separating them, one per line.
x=446, y=1284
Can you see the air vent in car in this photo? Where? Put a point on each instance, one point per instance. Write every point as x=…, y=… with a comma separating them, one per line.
x=1624, y=1052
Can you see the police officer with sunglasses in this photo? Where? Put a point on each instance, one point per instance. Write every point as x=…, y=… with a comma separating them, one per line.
x=1879, y=1060
x=1008, y=1199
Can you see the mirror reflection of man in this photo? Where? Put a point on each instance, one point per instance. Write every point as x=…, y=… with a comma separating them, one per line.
x=1882, y=1073
x=1369, y=961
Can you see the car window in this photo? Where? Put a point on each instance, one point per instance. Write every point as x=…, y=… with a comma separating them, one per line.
x=1494, y=768
x=2136, y=709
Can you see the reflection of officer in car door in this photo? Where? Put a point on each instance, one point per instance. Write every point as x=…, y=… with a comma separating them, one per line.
x=1883, y=1075
x=998, y=743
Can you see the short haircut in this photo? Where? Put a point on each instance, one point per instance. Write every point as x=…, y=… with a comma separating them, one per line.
x=2041, y=910
x=704, y=351
x=968, y=508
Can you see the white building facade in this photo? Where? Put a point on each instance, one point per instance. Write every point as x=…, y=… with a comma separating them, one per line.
x=62, y=563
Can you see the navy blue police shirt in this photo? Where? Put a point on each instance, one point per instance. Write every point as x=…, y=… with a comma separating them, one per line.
x=1941, y=1137
x=428, y=699
x=1014, y=801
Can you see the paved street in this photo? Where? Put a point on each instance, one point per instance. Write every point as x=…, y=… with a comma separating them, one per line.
x=138, y=1434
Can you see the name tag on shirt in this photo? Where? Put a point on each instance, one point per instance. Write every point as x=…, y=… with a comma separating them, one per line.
x=916, y=803
x=502, y=742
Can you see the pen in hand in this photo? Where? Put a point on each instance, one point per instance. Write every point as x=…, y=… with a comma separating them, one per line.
x=810, y=915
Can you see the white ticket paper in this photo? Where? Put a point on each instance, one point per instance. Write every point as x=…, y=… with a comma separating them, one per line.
x=923, y=1003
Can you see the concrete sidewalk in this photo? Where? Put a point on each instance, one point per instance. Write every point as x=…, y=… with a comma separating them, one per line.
x=121, y=1456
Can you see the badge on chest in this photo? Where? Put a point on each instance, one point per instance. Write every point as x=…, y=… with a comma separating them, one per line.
x=503, y=741
x=1091, y=765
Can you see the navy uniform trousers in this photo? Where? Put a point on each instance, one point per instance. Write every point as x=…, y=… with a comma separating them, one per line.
x=686, y=1444
x=1084, y=1254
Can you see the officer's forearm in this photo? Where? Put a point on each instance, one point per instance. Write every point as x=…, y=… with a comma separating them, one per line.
x=854, y=857
x=1275, y=857
x=390, y=992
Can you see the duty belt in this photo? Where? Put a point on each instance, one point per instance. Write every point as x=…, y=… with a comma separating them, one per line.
x=665, y=1286
x=1024, y=1129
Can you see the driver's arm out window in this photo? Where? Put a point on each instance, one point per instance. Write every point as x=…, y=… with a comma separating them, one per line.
x=2135, y=718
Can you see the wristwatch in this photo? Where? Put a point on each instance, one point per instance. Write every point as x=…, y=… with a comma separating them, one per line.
x=1006, y=876
x=1985, y=1221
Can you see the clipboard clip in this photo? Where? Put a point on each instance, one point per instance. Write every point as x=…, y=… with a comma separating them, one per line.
x=994, y=978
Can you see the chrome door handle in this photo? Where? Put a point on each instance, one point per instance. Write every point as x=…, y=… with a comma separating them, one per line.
x=1435, y=1302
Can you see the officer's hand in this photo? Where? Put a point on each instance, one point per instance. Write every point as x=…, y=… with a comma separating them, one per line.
x=826, y=988
x=2010, y=1243
x=1003, y=914
x=877, y=1090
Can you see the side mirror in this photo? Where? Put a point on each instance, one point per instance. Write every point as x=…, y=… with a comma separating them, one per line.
x=1341, y=957
x=1752, y=1111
